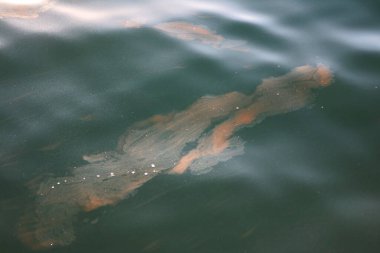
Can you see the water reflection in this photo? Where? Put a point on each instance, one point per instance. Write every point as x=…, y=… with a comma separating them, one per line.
x=112, y=15
x=194, y=140
x=25, y=9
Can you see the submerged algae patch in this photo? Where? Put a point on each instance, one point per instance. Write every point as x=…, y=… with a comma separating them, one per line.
x=192, y=140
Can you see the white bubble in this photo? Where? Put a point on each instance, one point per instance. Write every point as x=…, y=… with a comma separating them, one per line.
x=146, y=173
x=98, y=176
x=152, y=165
x=112, y=174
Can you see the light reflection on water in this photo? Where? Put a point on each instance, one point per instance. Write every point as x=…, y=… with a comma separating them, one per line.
x=74, y=78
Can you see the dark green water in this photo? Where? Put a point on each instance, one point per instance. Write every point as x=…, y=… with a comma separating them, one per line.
x=74, y=79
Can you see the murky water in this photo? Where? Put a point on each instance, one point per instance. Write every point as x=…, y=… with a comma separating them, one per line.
x=76, y=75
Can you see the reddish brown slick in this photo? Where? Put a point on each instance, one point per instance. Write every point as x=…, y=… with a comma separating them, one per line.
x=161, y=144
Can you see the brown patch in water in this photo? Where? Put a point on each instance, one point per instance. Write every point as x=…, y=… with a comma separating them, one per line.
x=51, y=147
x=192, y=32
x=88, y=117
x=187, y=31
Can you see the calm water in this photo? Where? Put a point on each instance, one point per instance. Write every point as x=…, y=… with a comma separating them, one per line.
x=73, y=79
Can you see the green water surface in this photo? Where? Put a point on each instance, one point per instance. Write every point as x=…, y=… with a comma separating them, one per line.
x=74, y=79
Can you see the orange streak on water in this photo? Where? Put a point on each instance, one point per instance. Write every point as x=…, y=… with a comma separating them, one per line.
x=219, y=139
x=324, y=74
